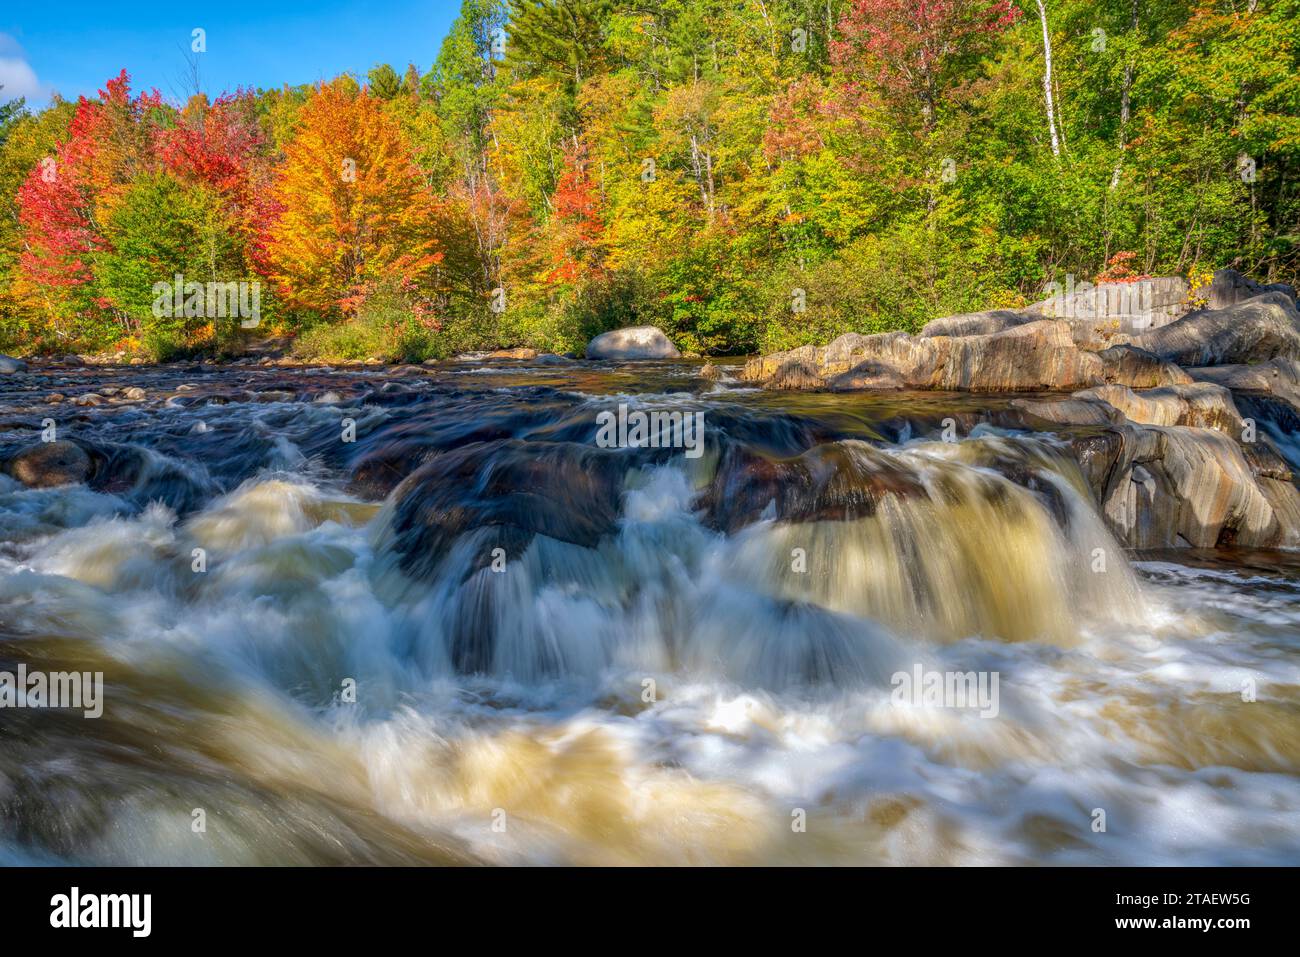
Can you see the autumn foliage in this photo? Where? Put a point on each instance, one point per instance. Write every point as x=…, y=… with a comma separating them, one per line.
x=746, y=176
x=351, y=207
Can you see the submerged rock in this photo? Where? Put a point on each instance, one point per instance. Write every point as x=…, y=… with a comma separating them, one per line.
x=838, y=481
x=515, y=489
x=634, y=342
x=48, y=464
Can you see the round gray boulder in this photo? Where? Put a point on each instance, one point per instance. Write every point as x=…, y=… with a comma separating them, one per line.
x=634, y=342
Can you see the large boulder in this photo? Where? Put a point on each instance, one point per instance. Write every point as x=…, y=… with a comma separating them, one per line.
x=634, y=342
x=1162, y=487
x=1128, y=365
x=48, y=464
x=10, y=365
x=1278, y=377
x=1201, y=405
x=1257, y=330
x=1230, y=287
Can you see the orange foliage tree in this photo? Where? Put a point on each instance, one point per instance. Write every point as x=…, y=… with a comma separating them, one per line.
x=351, y=209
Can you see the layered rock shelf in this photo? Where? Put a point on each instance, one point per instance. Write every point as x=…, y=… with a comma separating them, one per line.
x=1150, y=418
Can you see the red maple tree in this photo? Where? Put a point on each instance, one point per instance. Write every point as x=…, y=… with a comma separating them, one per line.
x=910, y=50
x=65, y=199
x=576, y=225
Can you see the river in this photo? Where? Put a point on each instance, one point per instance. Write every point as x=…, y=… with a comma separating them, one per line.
x=421, y=615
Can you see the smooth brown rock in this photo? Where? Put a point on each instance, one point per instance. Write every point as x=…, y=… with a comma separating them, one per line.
x=1279, y=377
x=1069, y=411
x=48, y=464
x=1128, y=365
x=1200, y=404
x=1032, y=357
x=977, y=323
x=520, y=353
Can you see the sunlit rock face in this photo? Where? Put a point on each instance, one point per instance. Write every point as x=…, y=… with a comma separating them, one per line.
x=1251, y=331
x=1034, y=356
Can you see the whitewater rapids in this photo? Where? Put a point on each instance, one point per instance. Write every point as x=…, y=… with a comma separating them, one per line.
x=473, y=637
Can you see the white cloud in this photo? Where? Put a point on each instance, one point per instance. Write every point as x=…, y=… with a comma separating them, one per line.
x=17, y=78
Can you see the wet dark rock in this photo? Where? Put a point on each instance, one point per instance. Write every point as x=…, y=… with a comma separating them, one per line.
x=515, y=490
x=831, y=482
x=146, y=475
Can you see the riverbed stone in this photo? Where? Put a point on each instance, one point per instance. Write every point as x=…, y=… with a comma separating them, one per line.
x=48, y=464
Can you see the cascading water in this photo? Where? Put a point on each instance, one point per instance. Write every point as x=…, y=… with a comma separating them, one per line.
x=476, y=635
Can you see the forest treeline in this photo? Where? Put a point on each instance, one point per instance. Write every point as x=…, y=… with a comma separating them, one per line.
x=745, y=174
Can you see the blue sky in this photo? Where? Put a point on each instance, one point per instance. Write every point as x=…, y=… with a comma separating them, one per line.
x=74, y=47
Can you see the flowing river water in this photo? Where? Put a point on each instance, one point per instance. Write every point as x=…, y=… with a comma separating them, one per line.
x=435, y=621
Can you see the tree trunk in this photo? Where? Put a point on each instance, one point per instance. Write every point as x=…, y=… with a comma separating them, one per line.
x=1124, y=104
x=1047, y=80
